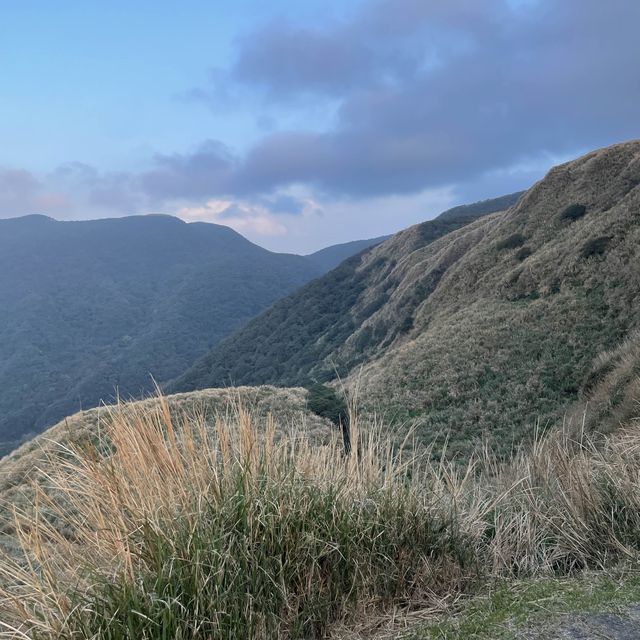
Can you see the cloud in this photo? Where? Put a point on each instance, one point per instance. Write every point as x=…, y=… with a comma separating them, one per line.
x=22, y=193
x=457, y=97
x=244, y=217
x=435, y=93
x=386, y=41
x=207, y=171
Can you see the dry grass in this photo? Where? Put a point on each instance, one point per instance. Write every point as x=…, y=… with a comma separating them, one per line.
x=164, y=528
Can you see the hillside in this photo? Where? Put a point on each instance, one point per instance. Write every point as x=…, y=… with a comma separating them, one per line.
x=330, y=257
x=204, y=515
x=92, y=307
x=22, y=467
x=487, y=330
x=297, y=339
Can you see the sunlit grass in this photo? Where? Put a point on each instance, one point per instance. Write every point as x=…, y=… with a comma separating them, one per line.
x=163, y=527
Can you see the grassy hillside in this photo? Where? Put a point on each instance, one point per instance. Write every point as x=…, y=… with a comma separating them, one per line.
x=22, y=469
x=164, y=523
x=482, y=331
x=525, y=305
x=483, y=207
x=297, y=341
x=92, y=307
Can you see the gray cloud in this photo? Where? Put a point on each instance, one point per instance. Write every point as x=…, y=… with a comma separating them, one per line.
x=207, y=171
x=386, y=41
x=434, y=93
x=22, y=193
x=428, y=94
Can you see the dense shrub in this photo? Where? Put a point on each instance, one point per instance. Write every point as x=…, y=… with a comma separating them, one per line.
x=573, y=212
x=595, y=246
x=523, y=253
x=511, y=242
x=325, y=402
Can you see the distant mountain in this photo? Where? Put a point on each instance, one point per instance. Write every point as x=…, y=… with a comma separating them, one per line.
x=297, y=339
x=482, y=207
x=90, y=309
x=488, y=329
x=330, y=257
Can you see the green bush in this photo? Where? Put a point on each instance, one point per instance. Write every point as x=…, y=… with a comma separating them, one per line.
x=326, y=403
x=573, y=212
x=595, y=246
x=513, y=241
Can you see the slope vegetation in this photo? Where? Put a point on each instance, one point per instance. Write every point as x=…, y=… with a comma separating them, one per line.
x=484, y=330
x=301, y=339
x=526, y=303
x=89, y=308
x=23, y=468
x=155, y=525
x=330, y=257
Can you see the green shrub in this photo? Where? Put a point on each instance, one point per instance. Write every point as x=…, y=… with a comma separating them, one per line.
x=513, y=241
x=325, y=402
x=595, y=246
x=573, y=212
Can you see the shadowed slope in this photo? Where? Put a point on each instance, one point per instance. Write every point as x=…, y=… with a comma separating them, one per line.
x=300, y=338
x=93, y=308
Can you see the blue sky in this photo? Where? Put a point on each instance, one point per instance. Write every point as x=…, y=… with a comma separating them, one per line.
x=302, y=124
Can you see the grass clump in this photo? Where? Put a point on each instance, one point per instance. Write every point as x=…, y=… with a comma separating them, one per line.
x=595, y=246
x=512, y=241
x=523, y=253
x=167, y=529
x=173, y=531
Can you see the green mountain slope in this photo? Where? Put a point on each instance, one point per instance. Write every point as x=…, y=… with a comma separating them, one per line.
x=302, y=338
x=94, y=308
x=330, y=257
x=526, y=302
x=485, y=331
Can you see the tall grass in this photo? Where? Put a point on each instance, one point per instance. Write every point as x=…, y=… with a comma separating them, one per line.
x=164, y=528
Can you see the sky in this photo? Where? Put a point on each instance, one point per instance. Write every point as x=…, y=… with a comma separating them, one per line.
x=304, y=123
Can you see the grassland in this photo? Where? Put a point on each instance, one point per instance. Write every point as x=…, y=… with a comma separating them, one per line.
x=168, y=525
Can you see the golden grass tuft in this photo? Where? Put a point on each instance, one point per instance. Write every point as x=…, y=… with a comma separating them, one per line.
x=167, y=528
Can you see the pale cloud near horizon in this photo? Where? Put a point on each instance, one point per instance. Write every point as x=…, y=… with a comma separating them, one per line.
x=246, y=219
x=261, y=221
x=22, y=193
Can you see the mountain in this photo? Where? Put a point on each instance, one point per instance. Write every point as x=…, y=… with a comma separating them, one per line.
x=483, y=207
x=487, y=330
x=94, y=308
x=297, y=340
x=330, y=257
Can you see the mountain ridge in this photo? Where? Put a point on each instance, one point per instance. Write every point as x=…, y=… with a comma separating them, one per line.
x=318, y=310
x=92, y=309
x=484, y=331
